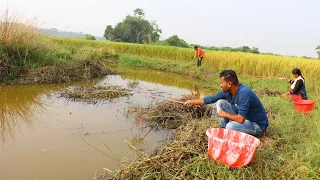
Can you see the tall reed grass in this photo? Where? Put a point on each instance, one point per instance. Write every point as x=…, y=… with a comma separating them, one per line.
x=21, y=45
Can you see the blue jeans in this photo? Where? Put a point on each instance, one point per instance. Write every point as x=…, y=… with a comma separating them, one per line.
x=247, y=127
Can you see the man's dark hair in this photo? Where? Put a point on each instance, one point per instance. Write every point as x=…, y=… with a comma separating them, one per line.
x=230, y=75
x=195, y=47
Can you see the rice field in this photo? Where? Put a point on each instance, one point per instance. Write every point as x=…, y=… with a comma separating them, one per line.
x=246, y=64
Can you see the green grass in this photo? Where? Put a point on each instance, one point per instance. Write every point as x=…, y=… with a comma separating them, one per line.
x=289, y=151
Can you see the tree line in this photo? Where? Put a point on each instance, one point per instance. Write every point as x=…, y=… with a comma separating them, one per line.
x=136, y=29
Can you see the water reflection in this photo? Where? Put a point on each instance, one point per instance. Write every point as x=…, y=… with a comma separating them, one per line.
x=158, y=77
x=19, y=105
x=55, y=145
x=23, y=104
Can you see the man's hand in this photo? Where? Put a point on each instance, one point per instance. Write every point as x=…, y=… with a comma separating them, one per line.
x=221, y=113
x=196, y=101
x=187, y=102
x=232, y=117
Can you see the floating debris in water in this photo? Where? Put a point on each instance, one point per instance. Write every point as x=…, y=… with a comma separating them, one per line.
x=94, y=94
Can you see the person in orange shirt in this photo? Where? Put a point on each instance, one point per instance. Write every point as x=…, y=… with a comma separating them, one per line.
x=198, y=54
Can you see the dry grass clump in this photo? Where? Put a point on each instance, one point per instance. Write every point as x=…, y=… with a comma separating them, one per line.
x=94, y=94
x=67, y=72
x=20, y=42
x=170, y=114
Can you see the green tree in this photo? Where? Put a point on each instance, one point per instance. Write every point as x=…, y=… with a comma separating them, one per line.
x=134, y=29
x=245, y=49
x=254, y=50
x=318, y=51
x=108, y=33
x=138, y=12
x=176, y=41
x=154, y=35
x=89, y=37
x=227, y=49
x=306, y=57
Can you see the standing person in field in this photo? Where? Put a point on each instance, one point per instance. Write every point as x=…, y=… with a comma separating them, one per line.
x=238, y=107
x=199, y=53
x=298, y=88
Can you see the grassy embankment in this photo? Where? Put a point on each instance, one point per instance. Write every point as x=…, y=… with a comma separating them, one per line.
x=290, y=150
x=31, y=57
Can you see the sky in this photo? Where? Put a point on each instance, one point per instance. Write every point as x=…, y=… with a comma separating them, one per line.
x=286, y=27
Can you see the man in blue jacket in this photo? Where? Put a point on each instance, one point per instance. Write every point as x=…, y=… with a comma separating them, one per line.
x=238, y=107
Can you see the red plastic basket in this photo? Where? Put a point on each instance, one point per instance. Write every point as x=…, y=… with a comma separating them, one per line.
x=303, y=106
x=296, y=97
x=232, y=148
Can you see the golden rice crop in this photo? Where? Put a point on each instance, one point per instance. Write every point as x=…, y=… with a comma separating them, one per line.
x=243, y=63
